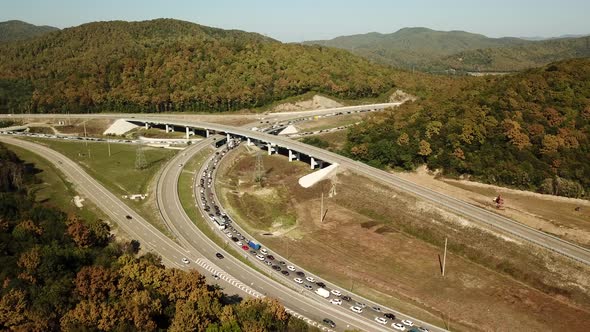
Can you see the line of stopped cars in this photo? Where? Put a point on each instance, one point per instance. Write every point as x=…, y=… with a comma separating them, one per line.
x=334, y=296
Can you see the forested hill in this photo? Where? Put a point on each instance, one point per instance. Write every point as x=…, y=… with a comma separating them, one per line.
x=529, y=130
x=63, y=273
x=431, y=50
x=414, y=47
x=19, y=30
x=171, y=65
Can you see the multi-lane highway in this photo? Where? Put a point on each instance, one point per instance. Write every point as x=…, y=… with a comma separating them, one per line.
x=286, y=272
x=172, y=253
x=134, y=225
x=476, y=214
x=307, y=304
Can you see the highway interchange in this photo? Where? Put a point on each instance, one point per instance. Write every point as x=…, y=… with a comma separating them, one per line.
x=238, y=277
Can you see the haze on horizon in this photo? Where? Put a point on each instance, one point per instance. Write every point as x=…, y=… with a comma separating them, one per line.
x=311, y=20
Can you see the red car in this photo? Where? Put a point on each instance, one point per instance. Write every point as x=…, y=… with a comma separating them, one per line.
x=245, y=247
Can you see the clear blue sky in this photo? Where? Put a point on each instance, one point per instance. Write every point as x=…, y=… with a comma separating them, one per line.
x=297, y=20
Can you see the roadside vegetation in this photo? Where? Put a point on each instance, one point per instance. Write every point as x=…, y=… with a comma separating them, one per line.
x=385, y=245
x=529, y=131
x=62, y=272
x=117, y=172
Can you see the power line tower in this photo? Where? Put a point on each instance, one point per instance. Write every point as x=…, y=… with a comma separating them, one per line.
x=140, y=162
x=259, y=169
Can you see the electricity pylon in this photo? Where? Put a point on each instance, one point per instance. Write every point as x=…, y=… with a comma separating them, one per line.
x=259, y=169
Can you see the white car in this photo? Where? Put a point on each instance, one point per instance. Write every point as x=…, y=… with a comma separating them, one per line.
x=240, y=243
x=185, y=260
x=381, y=320
x=407, y=322
x=264, y=251
x=230, y=235
x=291, y=268
x=310, y=279
x=356, y=309
x=260, y=257
x=398, y=326
x=336, y=292
x=298, y=280
x=336, y=301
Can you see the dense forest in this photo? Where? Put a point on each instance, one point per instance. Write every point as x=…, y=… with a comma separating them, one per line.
x=63, y=273
x=170, y=65
x=529, y=130
x=436, y=51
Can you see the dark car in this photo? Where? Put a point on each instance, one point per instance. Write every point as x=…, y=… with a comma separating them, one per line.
x=388, y=315
x=300, y=273
x=235, y=239
x=282, y=263
x=320, y=284
x=376, y=309
x=329, y=322
x=276, y=267
x=346, y=298
x=285, y=272
x=271, y=257
x=219, y=255
x=128, y=217
x=253, y=252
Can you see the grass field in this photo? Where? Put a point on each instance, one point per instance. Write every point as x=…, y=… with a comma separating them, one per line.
x=263, y=207
x=117, y=173
x=53, y=188
x=385, y=244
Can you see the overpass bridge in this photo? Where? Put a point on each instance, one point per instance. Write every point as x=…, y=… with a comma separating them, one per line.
x=317, y=157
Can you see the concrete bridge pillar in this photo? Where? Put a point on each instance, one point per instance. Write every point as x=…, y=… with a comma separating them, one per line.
x=291, y=155
x=298, y=155
x=248, y=141
x=228, y=137
x=187, y=133
x=313, y=163
x=269, y=146
x=147, y=126
x=207, y=133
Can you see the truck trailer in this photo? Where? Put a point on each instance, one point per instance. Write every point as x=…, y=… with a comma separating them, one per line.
x=254, y=245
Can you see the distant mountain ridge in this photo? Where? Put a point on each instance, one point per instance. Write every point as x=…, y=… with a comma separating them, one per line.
x=18, y=30
x=431, y=50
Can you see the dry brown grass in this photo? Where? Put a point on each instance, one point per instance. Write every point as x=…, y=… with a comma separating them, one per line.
x=385, y=244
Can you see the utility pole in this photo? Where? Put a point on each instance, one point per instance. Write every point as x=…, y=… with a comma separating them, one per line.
x=322, y=209
x=444, y=258
x=109, y=145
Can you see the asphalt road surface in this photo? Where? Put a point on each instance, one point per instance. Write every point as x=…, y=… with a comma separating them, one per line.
x=476, y=214
x=305, y=303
